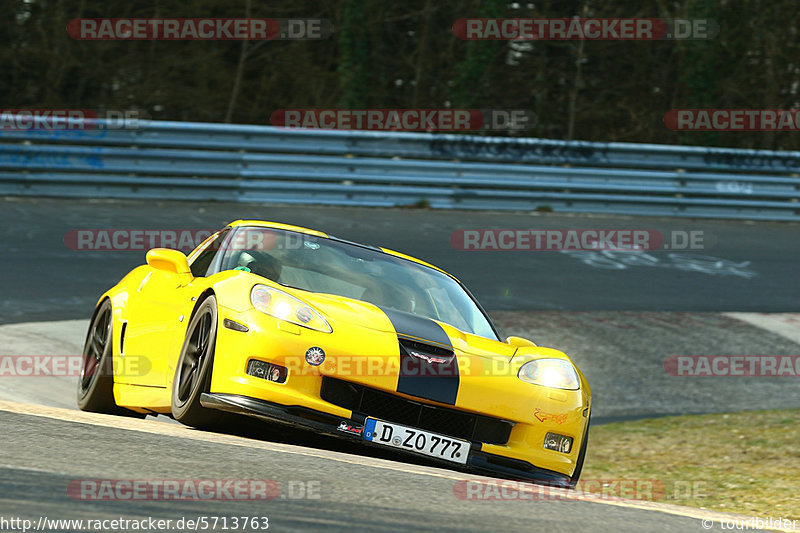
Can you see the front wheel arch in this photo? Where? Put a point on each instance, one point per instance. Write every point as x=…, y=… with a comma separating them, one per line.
x=194, y=367
x=576, y=474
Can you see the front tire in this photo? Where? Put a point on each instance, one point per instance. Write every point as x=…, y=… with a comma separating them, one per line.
x=193, y=371
x=96, y=381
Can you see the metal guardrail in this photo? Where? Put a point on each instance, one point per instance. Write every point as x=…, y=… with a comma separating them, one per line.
x=199, y=161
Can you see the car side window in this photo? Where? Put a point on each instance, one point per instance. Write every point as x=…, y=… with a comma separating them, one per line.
x=202, y=262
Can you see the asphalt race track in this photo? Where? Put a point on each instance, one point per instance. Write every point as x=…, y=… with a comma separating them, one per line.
x=744, y=266
x=349, y=492
x=621, y=353
x=619, y=315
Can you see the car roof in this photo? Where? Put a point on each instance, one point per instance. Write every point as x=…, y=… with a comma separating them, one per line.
x=316, y=233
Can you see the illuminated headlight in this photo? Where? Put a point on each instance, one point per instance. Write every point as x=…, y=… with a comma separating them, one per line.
x=558, y=443
x=555, y=373
x=284, y=306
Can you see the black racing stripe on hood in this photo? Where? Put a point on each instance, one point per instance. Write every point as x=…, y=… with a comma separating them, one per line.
x=436, y=379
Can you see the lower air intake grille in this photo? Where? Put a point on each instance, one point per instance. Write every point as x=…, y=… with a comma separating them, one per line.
x=450, y=422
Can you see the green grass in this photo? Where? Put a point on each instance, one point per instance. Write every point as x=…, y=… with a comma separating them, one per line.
x=747, y=463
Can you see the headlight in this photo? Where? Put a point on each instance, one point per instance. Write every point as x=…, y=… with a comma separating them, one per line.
x=284, y=306
x=555, y=373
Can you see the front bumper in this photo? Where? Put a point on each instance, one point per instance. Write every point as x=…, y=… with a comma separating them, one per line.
x=478, y=462
x=533, y=410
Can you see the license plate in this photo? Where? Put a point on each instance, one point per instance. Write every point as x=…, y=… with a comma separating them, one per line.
x=416, y=440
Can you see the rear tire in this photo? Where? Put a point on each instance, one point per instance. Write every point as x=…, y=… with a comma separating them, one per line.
x=96, y=381
x=193, y=371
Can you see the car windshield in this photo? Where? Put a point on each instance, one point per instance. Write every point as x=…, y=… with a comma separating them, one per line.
x=334, y=267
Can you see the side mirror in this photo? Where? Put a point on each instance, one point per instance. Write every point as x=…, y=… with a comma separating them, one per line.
x=519, y=342
x=168, y=260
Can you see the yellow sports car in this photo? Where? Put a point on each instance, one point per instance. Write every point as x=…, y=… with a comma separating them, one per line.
x=294, y=326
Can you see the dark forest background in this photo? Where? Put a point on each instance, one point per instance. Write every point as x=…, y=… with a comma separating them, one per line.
x=405, y=55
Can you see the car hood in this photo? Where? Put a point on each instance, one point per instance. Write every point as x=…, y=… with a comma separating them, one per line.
x=407, y=325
